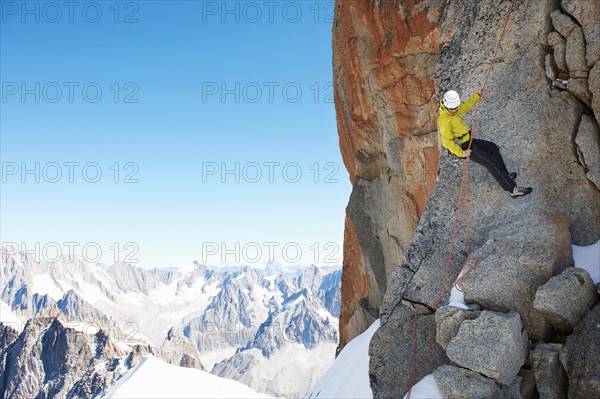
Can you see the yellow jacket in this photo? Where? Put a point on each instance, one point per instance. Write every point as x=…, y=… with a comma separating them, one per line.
x=452, y=126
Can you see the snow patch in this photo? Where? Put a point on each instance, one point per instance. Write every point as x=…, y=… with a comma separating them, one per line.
x=457, y=297
x=348, y=376
x=8, y=318
x=90, y=293
x=292, y=369
x=588, y=258
x=427, y=388
x=100, y=367
x=45, y=284
x=325, y=315
x=153, y=378
x=209, y=359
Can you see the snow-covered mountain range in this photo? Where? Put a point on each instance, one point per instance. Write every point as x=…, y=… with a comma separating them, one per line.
x=239, y=318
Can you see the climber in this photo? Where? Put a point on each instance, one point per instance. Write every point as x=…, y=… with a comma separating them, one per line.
x=483, y=152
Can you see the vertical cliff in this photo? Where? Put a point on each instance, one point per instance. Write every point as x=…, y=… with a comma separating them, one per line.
x=392, y=61
x=384, y=58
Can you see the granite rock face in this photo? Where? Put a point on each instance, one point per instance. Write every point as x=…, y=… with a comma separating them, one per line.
x=384, y=56
x=392, y=61
x=594, y=86
x=575, y=45
x=544, y=86
x=588, y=147
x=587, y=14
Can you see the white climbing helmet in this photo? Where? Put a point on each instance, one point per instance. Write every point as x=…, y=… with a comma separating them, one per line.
x=451, y=99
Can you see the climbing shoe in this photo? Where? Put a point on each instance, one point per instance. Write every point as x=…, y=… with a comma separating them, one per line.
x=512, y=175
x=520, y=191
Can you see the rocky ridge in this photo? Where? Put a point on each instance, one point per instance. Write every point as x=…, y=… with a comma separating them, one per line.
x=384, y=56
x=49, y=359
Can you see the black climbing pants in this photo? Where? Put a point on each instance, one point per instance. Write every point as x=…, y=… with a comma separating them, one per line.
x=487, y=154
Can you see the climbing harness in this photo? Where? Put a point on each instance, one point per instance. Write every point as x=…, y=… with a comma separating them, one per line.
x=464, y=189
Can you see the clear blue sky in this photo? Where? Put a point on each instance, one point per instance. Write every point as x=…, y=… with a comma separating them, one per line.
x=168, y=94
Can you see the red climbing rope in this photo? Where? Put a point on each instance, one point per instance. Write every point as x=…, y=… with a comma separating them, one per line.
x=463, y=186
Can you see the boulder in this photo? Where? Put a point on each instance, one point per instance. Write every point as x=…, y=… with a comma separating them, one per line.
x=566, y=298
x=559, y=44
x=579, y=88
x=495, y=345
x=580, y=357
x=550, y=67
x=518, y=258
x=513, y=391
x=448, y=320
x=575, y=54
x=592, y=44
x=456, y=382
x=587, y=14
x=528, y=389
x=551, y=379
x=562, y=23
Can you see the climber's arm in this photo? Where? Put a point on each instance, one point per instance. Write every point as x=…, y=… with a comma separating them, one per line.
x=467, y=105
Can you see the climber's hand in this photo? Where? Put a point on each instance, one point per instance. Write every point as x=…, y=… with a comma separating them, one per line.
x=480, y=92
x=467, y=153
